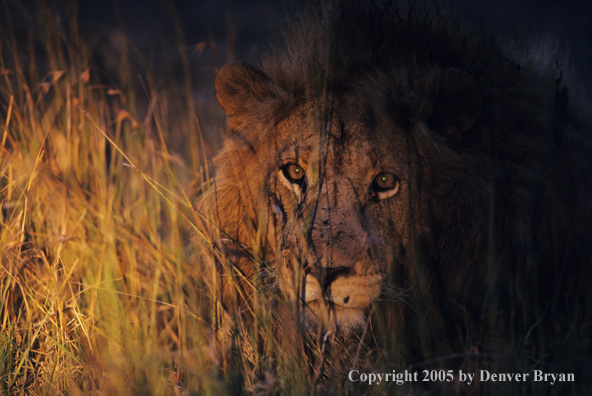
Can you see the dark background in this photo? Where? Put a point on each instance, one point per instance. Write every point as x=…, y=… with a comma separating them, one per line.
x=215, y=32
x=249, y=23
x=210, y=33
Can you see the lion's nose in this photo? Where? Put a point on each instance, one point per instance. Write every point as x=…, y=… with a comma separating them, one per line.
x=327, y=275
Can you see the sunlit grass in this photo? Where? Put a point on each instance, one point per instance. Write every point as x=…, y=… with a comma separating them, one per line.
x=105, y=279
x=107, y=268
x=100, y=292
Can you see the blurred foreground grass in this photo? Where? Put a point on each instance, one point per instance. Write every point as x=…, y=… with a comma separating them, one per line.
x=100, y=293
x=103, y=287
x=103, y=284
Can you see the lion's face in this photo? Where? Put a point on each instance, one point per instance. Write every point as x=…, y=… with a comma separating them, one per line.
x=339, y=195
x=333, y=183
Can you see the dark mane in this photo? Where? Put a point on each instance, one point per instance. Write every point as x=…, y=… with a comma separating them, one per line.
x=341, y=42
x=499, y=170
x=384, y=49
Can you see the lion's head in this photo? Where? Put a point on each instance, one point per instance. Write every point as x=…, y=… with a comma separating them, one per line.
x=385, y=151
x=335, y=184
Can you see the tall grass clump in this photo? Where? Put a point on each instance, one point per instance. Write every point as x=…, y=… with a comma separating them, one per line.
x=100, y=293
x=105, y=266
x=112, y=278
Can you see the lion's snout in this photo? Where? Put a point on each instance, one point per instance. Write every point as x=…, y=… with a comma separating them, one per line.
x=339, y=298
x=325, y=276
x=341, y=286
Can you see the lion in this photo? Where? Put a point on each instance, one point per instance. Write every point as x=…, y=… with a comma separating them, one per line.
x=390, y=155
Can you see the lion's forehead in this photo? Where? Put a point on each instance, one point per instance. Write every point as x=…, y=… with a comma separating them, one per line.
x=344, y=139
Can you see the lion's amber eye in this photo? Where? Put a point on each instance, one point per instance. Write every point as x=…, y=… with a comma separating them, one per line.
x=385, y=185
x=294, y=173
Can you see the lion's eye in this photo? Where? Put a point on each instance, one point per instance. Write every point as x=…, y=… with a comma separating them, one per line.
x=385, y=185
x=294, y=173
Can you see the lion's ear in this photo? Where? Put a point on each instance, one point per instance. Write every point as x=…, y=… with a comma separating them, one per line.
x=240, y=88
x=456, y=105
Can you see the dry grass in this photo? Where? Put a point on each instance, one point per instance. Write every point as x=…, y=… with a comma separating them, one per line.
x=99, y=292
x=103, y=290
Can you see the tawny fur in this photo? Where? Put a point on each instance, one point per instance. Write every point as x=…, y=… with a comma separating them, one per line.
x=498, y=204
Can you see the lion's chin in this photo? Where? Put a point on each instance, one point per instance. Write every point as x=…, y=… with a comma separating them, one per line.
x=333, y=317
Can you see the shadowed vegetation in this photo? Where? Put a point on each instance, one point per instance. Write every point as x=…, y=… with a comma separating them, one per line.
x=106, y=281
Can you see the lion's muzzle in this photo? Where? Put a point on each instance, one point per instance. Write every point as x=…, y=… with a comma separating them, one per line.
x=339, y=297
